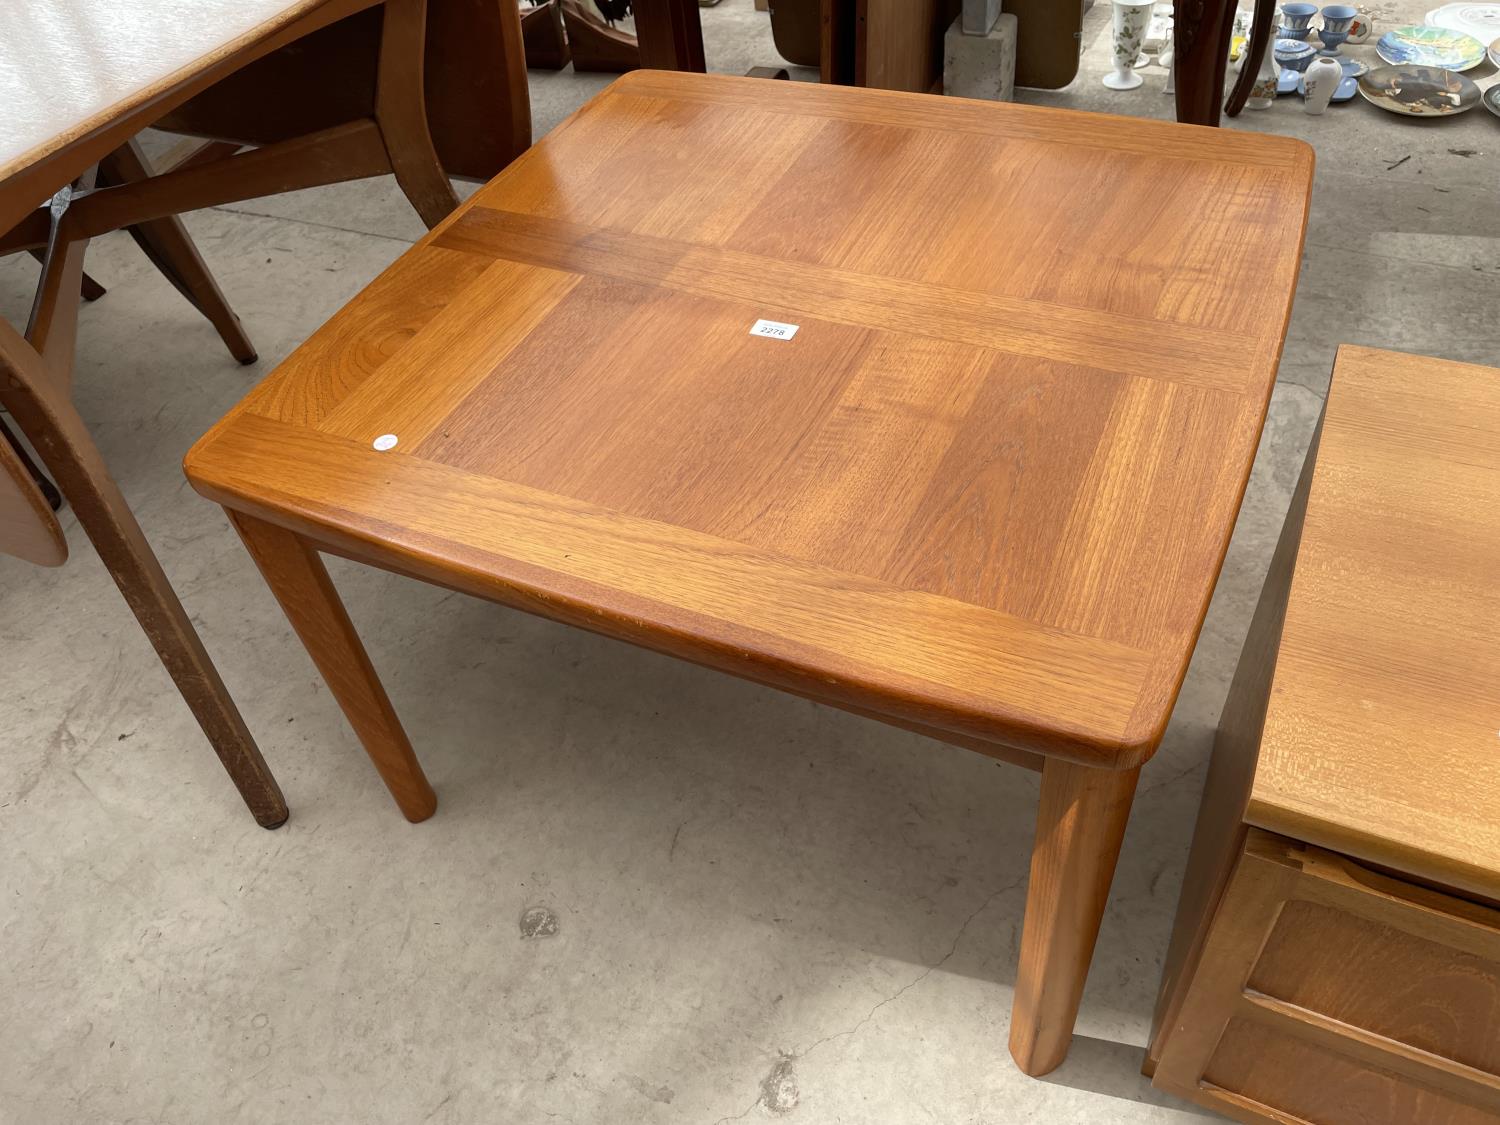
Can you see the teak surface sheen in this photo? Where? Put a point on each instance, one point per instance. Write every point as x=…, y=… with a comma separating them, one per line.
x=986, y=487
x=1382, y=737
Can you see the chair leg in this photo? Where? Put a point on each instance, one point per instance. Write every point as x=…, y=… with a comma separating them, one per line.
x=90, y=289
x=1201, y=52
x=1260, y=37
x=1080, y=824
x=170, y=248
x=401, y=112
x=47, y=417
x=295, y=572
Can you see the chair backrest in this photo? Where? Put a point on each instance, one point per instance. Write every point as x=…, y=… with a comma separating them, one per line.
x=28, y=529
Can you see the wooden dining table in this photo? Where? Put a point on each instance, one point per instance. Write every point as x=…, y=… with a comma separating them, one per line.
x=933, y=410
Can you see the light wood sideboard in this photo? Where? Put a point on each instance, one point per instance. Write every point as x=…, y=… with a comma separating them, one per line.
x=1337, y=950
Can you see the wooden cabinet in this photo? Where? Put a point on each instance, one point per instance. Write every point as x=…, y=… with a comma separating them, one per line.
x=1329, y=992
x=1337, y=950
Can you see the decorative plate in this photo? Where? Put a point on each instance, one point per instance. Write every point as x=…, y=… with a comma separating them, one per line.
x=1482, y=21
x=1430, y=46
x=1419, y=91
x=1494, y=53
x=1491, y=100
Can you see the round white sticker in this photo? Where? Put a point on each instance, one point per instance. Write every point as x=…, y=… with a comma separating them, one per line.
x=384, y=442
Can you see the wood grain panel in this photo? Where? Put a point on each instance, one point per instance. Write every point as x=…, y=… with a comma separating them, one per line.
x=509, y=298
x=1106, y=132
x=909, y=653
x=1254, y=1062
x=362, y=335
x=1430, y=996
x=1391, y=630
x=784, y=290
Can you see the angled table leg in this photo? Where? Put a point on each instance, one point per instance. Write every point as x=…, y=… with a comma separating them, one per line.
x=170, y=248
x=1079, y=827
x=401, y=111
x=90, y=288
x=296, y=575
x=30, y=392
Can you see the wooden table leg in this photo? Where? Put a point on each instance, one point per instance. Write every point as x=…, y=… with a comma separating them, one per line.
x=1080, y=823
x=170, y=249
x=295, y=572
x=401, y=111
x=48, y=419
x=670, y=34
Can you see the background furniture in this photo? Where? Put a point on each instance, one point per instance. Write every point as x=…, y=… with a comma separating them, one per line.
x=1049, y=37
x=596, y=46
x=797, y=30
x=1337, y=949
x=886, y=44
x=546, y=41
x=133, y=63
x=898, y=44
x=670, y=34
x=574, y=417
x=1201, y=35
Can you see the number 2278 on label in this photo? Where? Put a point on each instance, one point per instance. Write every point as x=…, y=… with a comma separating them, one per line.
x=773, y=329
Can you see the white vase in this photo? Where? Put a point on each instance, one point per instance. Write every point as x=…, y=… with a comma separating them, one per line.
x=1130, y=33
x=1322, y=78
x=1263, y=93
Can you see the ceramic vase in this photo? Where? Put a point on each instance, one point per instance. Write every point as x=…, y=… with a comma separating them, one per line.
x=1321, y=79
x=1337, y=19
x=1296, y=20
x=1359, y=30
x=1130, y=33
x=1268, y=74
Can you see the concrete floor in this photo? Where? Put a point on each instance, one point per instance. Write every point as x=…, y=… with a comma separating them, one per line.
x=762, y=907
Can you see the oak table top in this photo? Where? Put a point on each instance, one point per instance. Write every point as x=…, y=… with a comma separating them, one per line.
x=986, y=487
x=1382, y=738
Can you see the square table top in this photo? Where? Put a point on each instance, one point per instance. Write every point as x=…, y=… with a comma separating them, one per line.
x=986, y=487
x=1382, y=737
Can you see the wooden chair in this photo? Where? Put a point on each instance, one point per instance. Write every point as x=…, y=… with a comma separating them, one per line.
x=596, y=46
x=28, y=529
x=1201, y=36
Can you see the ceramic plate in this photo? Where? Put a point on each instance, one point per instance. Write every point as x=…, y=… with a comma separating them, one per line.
x=1419, y=91
x=1495, y=53
x=1482, y=21
x=1430, y=46
x=1491, y=100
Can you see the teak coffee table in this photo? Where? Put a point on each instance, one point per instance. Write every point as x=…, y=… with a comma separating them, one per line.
x=982, y=491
